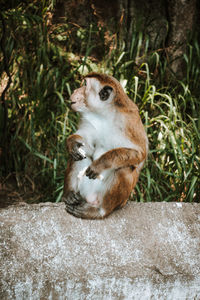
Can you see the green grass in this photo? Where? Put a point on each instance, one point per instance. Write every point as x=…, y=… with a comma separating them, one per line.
x=48, y=67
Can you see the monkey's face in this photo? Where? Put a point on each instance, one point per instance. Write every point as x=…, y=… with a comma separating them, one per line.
x=78, y=98
x=92, y=96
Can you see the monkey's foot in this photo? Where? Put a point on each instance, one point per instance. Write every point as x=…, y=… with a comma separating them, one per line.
x=73, y=198
x=77, y=210
x=77, y=206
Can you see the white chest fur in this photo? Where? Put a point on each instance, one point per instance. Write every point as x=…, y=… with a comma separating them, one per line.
x=106, y=133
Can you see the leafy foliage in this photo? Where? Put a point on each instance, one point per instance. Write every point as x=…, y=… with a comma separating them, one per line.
x=45, y=68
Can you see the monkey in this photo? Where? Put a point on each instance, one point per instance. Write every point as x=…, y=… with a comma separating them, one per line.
x=107, y=151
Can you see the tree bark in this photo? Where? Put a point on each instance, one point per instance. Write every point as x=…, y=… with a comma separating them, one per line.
x=181, y=18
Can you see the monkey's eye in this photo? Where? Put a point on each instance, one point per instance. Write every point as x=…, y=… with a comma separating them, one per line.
x=104, y=94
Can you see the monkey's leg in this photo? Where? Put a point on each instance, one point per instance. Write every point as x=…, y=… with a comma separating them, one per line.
x=117, y=196
x=119, y=190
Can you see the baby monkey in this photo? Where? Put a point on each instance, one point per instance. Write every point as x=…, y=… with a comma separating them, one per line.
x=107, y=151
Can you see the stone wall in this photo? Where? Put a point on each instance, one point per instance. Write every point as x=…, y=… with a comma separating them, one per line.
x=143, y=251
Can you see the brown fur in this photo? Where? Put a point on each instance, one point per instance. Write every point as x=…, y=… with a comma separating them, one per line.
x=124, y=161
x=71, y=140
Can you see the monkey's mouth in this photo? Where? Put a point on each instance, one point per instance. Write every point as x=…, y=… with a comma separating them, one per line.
x=73, y=103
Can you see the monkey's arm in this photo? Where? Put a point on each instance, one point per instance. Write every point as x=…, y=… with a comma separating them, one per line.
x=114, y=159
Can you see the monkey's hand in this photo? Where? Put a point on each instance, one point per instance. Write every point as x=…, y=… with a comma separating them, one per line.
x=93, y=172
x=90, y=173
x=77, y=152
x=75, y=146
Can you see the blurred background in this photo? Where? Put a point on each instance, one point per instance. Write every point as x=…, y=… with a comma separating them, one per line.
x=151, y=47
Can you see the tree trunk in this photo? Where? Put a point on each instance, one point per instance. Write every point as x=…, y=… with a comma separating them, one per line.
x=181, y=18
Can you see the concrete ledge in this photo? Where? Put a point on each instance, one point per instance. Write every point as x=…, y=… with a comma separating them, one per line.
x=143, y=251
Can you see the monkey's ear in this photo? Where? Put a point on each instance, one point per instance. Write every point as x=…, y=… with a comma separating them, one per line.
x=104, y=94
